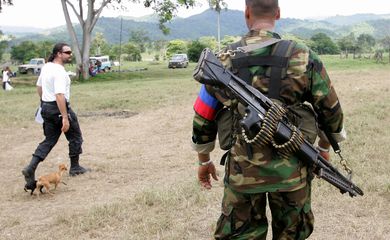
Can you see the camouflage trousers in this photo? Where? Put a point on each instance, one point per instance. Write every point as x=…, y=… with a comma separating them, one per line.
x=244, y=215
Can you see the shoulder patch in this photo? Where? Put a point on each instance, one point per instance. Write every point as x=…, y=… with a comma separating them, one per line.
x=206, y=105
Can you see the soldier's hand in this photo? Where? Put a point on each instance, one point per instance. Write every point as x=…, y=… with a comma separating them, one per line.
x=323, y=148
x=204, y=172
x=325, y=155
x=65, y=125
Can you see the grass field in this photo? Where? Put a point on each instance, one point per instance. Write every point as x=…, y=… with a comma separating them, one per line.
x=137, y=127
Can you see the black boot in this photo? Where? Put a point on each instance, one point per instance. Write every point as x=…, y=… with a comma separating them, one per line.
x=75, y=168
x=29, y=173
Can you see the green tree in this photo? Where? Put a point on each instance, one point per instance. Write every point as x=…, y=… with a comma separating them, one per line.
x=195, y=48
x=88, y=12
x=114, y=52
x=159, y=47
x=347, y=44
x=25, y=51
x=99, y=45
x=228, y=40
x=297, y=39
x=385, y=42
x=322, y=44
x=132, y=51
x=365, y=43
x=209, y=42
x=218, y=5
x=44, y=48
x=3, y=44
x=176, y=46
x=5, y=2
x=140, y=38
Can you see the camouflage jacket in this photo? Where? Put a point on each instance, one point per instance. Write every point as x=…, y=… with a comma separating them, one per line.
x=306, y=80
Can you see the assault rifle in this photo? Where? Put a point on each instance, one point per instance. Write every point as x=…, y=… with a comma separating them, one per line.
x=210, y=71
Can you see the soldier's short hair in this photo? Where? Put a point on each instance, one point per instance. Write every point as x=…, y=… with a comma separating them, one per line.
x=262, y=8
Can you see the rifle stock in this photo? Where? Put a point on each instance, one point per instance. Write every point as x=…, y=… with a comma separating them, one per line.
x=210, y=71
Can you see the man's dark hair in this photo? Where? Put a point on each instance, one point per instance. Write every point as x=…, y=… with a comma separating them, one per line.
x=263, y=8
x=56, y=49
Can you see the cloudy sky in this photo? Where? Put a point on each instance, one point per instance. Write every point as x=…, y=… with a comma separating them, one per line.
x=48, y=13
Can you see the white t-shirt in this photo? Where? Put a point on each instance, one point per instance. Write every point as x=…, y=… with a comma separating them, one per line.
x=5, y=76
x=53, y=80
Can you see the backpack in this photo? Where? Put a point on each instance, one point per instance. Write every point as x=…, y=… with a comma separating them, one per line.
x=302, y=115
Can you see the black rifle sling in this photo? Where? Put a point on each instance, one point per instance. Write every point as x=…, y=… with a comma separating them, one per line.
x=277, y=61
x=282, y=49
x=242, y=72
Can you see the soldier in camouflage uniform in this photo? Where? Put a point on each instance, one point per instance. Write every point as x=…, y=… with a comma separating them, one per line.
x=250, y=181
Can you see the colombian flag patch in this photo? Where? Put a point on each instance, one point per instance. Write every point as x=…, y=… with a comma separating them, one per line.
x=206, y=105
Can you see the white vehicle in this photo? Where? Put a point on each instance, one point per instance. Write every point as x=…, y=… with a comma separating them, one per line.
x=33, y=67
x=104, y=60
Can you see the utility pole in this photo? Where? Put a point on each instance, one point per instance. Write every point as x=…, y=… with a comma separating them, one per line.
x=120, y=46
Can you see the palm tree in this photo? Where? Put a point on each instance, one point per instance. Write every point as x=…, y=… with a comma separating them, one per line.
x=217, y=6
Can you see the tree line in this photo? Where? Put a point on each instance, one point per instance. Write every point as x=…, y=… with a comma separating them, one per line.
x=130, y=50
x=363, y=45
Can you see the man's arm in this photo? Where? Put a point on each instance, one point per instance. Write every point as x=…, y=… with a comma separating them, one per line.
x=204, y=135
x=39, y=91
x=61, y=103
x=327, y=106
x=203, y=142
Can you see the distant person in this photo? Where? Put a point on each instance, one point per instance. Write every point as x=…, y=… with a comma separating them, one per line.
x=258, y=174
x=7, y=74
x=99, y=66
x=92, y=70
x=53, y=87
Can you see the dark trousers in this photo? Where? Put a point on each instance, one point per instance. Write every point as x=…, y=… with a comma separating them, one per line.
x=52, y=130
x=4, y=85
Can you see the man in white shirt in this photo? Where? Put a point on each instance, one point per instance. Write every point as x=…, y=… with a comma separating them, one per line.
x=6, y=77
x=53, y=87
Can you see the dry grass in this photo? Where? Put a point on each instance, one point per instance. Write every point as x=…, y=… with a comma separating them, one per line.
x=144, y=181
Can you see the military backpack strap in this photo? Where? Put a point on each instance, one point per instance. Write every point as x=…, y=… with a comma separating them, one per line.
x=283, y=50
x=277, y=61
x=241, y=71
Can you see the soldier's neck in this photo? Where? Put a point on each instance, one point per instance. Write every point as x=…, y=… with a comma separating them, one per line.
x=263, y=25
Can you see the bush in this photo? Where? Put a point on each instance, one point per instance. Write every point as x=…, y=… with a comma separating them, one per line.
x=194, y=50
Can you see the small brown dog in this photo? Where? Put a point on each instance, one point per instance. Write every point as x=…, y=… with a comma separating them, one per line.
x=52, y=178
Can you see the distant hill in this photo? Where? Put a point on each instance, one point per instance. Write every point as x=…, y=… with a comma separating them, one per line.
x=355, y=19
x=19, y=31
x=205, y=24
x=153, y=18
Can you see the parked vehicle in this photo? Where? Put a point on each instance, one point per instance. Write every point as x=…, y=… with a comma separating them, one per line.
x=105, y=63
x=33, y=67
x=178, y=61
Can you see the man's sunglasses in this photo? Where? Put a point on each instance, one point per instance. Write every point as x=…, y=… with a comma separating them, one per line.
x=68, y=52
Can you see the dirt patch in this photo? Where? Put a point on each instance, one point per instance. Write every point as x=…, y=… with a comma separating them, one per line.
x=117, y=114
